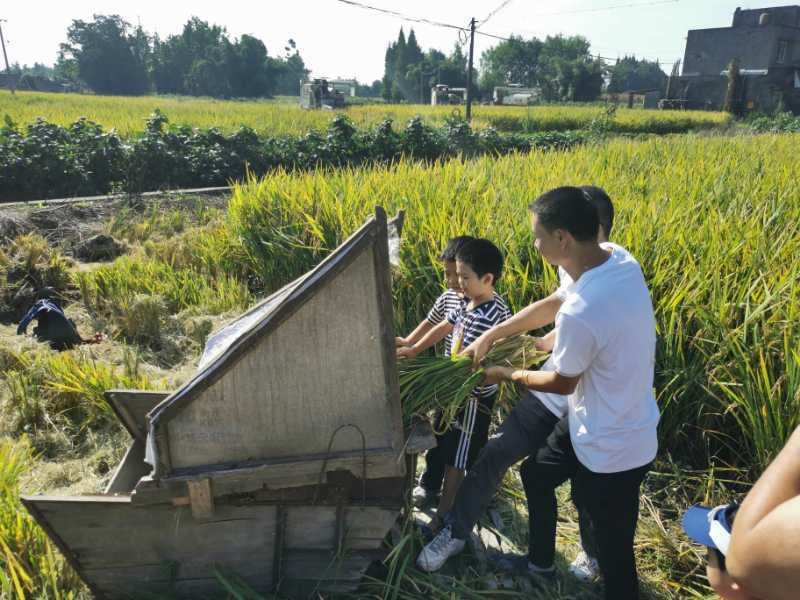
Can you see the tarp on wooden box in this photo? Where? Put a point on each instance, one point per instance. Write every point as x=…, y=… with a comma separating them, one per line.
x=310, y=359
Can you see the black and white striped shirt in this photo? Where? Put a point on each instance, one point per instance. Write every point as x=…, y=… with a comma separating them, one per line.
x=448, y=301
x=468, y=325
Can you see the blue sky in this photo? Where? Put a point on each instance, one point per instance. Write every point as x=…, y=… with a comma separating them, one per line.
x=339, y=40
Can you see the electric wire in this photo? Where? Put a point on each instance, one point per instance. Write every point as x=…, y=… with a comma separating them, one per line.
x=465, y=30
x=500, y=7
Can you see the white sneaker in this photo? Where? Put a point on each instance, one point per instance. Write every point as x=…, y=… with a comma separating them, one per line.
x=585, y=568
x=420, y=496
x=442, y=547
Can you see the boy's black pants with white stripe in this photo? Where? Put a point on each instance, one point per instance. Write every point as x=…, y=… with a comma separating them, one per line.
x=462, y=443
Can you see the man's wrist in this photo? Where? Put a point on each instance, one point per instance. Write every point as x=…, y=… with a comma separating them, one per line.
x=520, y=376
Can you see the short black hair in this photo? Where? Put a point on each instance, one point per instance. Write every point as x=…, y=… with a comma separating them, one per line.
x=569, y=209
x=602, y=202
x=453, y=246
x=483, y=257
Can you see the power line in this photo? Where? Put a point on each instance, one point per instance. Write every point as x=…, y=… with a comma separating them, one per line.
x=604, y=8
x=463, y=30
x=403, y=16
x=500, y=7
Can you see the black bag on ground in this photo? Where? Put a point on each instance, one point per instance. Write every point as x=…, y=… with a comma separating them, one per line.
x=53, y=326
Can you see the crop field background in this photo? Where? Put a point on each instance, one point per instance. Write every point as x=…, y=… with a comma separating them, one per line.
x=713, y=221
x=284, y=116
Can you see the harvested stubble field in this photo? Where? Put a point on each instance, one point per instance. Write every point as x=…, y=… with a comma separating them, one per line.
x=713, y=221
x=128, y=114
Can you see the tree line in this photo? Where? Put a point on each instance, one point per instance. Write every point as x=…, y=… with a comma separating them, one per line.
x=561, y=67
x=109, y=56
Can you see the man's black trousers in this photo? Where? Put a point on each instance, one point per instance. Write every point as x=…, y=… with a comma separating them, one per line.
x=610, y=500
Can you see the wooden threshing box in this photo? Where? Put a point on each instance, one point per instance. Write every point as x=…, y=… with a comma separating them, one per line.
x=282, y=461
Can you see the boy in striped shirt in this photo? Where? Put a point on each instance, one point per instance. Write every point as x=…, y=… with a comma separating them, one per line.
x=430, y=482
x=479, y=265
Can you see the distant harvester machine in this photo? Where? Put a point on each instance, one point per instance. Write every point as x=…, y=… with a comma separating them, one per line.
x=444, y=94
x=320, y=93
x=516, y=95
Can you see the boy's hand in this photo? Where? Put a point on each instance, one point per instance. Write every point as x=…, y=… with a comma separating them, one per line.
x=545, y=344
x=399, y=342
x=494, y=375
x=477, y=350
x=407, y=352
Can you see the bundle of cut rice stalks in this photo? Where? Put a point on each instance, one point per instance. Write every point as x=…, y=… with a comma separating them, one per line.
x=429, y=383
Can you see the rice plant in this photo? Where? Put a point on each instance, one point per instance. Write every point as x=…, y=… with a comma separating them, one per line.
x=430, y=383
x=714, y=222
x=30, y=567
x=127, y=115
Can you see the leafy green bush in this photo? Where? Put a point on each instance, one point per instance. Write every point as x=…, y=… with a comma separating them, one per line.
x=51, y=161
x=783, y=122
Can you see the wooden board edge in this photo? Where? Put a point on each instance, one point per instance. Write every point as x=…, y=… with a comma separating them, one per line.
x=30, y=505
x=124, y=414
x=386, y=312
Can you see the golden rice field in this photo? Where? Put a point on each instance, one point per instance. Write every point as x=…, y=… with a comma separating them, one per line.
x=714, y=221
x=127, y=114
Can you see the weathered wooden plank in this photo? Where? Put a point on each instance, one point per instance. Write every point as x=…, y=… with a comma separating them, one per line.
x=314, y=527
x=366, y=527
x=129, y=471
x=383, y=292
x=307, y=571
x=398, y=221
x=159, y=581
x=201, y=498
x=341, y=486
x=282, y=473
x=112, y=542
x=132, y=406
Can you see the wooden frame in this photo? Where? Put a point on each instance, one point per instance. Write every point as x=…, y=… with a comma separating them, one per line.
x=292, y=524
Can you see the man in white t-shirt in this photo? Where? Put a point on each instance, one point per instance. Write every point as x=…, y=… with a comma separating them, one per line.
x=603, y=359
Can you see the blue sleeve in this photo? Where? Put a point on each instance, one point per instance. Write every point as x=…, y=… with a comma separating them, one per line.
x=29, y=316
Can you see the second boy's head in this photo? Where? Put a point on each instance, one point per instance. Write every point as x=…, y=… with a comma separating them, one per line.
x=479, y=264
x=605, y=209
x=563, y=220
x=448, y=258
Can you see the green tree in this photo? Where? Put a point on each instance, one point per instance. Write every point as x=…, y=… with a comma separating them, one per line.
x=288, y=72
x=512, y=61
x=175, y=70
x=403, y=79
x=249, y=73
x=562, y=67
x=106, y=55
x=631, y=74
x=568, y=72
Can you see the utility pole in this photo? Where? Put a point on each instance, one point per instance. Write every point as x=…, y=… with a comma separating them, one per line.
x=469, y=68
x=5, y=56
